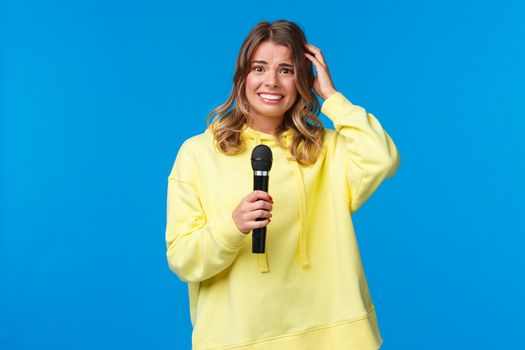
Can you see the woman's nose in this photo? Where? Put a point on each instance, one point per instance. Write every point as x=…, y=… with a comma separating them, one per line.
x=271, y=79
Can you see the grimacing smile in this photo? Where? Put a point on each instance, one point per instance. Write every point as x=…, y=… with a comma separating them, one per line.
x=272, y=97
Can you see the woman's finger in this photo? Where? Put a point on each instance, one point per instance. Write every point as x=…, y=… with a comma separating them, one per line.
x=322, y=70
x=259, y=224
x=323, y=84
x=258, y=194
x=317, y=52
x=261, y=204
x=314, y=60
x=253, y=215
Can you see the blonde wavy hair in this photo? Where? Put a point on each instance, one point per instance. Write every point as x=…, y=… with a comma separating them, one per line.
x=301, y=118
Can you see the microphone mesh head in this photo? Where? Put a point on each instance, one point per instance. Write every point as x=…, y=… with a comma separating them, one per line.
x=262, y=158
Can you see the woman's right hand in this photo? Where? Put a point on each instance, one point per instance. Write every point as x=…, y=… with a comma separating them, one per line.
x=257, y=204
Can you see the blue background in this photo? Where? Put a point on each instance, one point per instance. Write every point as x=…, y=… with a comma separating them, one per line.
x=97, y=96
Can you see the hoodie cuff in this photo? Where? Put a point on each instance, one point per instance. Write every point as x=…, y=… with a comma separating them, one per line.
x=228, y=233
x=335, y=104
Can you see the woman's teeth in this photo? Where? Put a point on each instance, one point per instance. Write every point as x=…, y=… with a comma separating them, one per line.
x=271, y=97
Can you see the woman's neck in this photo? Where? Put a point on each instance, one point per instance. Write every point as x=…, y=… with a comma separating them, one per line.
x=265, y=125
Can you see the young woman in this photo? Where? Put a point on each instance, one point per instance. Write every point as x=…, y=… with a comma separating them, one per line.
x=308, y=291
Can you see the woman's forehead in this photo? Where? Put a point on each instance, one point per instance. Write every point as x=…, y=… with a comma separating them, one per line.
x=269, y=51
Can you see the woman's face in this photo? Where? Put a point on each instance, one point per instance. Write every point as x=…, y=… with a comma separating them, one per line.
x=270, y=85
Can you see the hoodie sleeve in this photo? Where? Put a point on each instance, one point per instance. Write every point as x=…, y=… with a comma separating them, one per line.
x=369, y=154
x=197, y=249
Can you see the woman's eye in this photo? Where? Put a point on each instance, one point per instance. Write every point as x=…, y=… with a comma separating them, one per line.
x=258, y=68
x=286, y=71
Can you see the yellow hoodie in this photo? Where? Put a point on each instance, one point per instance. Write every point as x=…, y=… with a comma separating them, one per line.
x=309, y=290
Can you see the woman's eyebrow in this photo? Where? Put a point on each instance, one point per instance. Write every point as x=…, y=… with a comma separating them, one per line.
x=288, y=65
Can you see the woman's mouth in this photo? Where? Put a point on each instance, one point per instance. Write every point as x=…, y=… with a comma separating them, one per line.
x=270, y=98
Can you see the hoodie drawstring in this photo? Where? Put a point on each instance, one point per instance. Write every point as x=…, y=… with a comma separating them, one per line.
x=303, y=246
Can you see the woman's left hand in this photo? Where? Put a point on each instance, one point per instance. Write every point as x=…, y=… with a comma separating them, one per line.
x=323, y=85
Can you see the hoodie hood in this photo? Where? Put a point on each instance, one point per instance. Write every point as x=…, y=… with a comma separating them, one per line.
x=253, y=137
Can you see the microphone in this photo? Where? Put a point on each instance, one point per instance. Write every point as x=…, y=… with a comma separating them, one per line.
x=261, y=165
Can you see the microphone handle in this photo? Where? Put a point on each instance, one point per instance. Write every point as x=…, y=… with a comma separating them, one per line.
x=260, y=183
